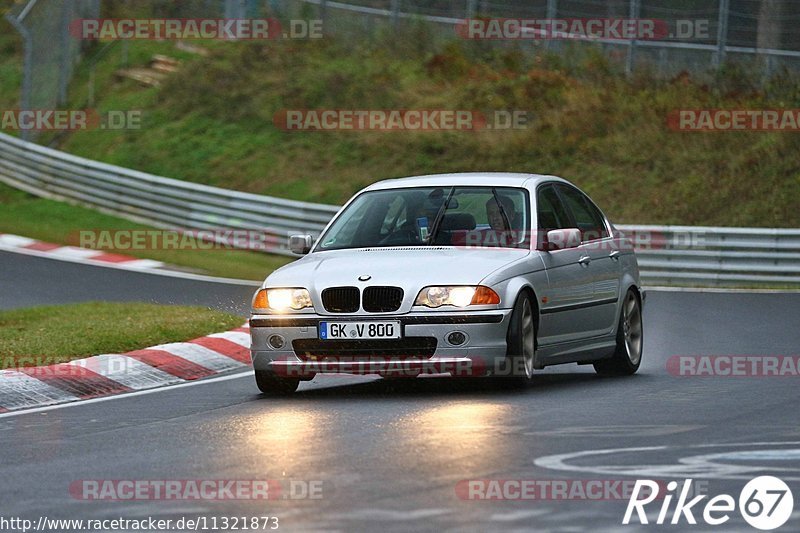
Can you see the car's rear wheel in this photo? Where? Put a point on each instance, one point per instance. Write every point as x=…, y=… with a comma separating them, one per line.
x=274, y=385
x=630, y=340
x=521, y=340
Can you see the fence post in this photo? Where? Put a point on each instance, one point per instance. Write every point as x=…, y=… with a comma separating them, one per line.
x=552, y=12
x=323, y=11
x=722, y=32
x=395, y=12
x=471, y=6
x=27, y=65
x=629, y=62
x=65, y=59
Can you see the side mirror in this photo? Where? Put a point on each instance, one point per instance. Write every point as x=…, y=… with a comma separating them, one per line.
x=560, y=239
x=300, y=244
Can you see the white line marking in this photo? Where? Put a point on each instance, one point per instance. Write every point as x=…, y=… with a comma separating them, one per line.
x=390, y=514
x=719, y=289
x=126, y=395
x=684, y=467
x=518, y=515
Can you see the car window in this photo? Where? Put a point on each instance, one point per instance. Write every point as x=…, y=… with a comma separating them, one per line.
x=485, y=217
x=406, y=217
x=587, y=217
x=550, y=211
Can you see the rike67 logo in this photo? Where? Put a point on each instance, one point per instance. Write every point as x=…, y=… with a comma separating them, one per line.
x=765, y=503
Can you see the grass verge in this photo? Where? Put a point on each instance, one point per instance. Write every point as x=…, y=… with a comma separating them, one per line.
x=54, y=334
x=212, y=122
x=60, y=223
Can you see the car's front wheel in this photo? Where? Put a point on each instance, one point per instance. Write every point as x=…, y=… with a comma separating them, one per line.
x=521, y=340
x=630, y=340
x=274, y=385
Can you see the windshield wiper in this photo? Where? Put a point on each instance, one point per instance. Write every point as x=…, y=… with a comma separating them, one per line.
x=503, y=213
x=439, y=216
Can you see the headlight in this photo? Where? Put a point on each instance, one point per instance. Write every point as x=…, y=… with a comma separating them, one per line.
x=282, y=299
x=458, y=296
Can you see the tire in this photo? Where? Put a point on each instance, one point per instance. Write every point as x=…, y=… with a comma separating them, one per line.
x=270, y=384
x=521, y=339
x=630, y=340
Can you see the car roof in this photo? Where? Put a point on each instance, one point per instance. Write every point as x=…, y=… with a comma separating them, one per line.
x=486, y=179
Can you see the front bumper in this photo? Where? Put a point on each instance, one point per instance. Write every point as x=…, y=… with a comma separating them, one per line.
x=485, y=343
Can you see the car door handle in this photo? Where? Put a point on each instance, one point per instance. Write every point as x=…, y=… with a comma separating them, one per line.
x=614, y=255
x=585, y=260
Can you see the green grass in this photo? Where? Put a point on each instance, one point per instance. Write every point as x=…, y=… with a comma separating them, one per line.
x=60, y=222
x=213, y=123
x=53, y=334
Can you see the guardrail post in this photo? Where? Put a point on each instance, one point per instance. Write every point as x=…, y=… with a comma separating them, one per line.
x=722, y=32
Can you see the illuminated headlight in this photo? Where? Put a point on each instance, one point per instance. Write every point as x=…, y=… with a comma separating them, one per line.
x=282, y=299
x=458, y=296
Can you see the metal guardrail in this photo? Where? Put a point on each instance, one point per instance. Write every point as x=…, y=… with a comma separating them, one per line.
x=154, y=200
x=716, y=256
x=669, y=255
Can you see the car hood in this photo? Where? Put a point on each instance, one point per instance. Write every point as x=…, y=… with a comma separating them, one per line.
x=409, y=268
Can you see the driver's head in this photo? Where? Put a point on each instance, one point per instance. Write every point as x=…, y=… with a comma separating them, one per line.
x=494, y=214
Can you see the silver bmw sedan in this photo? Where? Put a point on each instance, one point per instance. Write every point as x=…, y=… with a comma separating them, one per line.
x=472, y=274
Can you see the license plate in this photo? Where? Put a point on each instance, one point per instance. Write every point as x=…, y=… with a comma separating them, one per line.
x=359, y=330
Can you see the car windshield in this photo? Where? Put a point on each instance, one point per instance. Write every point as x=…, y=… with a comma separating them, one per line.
x=442, y=216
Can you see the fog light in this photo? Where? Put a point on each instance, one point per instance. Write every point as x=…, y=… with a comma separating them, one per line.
x=276, y=341
x=456, y=338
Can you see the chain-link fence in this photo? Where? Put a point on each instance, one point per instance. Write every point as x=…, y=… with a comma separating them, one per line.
x=701, y=34
x=50, y=52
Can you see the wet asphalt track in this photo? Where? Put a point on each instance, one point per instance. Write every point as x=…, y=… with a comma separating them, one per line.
x=389, y=455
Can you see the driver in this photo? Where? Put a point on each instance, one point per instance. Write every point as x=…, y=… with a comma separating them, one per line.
x=500, y=231
x=495, y=215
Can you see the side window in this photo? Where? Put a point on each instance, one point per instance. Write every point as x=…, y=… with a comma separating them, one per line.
x=587, y=217
x=550, y=211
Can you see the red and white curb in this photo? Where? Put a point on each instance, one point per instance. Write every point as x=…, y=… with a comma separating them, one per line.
x=17, y=243
x=110, y=374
